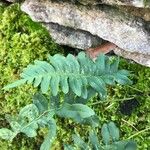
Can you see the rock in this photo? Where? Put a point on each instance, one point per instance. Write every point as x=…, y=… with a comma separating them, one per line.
x=89, y=2
x=139, y=58
x=85, y=26
x=84, y=40
x=135, y=3
x=124, y=30
x=143, y=13
x=73, y=38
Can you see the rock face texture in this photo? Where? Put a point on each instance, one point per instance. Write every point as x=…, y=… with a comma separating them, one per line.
x=83, y=26
x=71, y=37
x=139, y=58
x=135, y=3
x=143, y=13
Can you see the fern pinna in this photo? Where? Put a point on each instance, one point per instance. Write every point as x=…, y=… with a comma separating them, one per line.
x=110, y=138
x=76, y=74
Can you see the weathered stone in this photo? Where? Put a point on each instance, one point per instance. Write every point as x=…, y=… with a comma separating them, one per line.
x=84, y=40
x=143, y=13
x=135, y=3
x=139, y=58
x=126, y=31
x=73, y=38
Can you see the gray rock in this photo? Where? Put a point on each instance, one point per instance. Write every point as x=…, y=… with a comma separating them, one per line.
x=84, y=40
x=73, y=38
x=85, y=26
x=139, y=58
x=143, y=13
x=135, y=3
x=126, y=31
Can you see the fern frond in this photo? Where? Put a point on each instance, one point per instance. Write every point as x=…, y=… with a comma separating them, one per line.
x=73, y=73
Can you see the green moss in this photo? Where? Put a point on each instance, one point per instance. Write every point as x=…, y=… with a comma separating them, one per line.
x=147, y=3
x=140, y=118
x=21, y=42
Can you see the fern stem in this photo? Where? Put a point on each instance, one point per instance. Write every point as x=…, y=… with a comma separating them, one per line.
x=134, y=88
x=37, y=118
x=139, y=133
x=117, y=100
x=130, y=124
x=109, y=106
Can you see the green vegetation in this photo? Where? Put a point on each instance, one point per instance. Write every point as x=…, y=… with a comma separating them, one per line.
x=20, y=45
x=80, y=79
x=73, y=74
x=146, y=3
x=109, y=133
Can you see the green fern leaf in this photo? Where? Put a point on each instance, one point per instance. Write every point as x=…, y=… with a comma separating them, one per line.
x=94, y=141
x=131, y=145
x=100, y=62
x=76, y=85
x=40, y=102
x=15, y=84
x=30, y=111
x=6, y=134
x=79, y=142
x=54, y=102
x=54, y=84
x=114, y=131
x=46, y=145
x=68, y=147
x=77, y=112
x=105, y=134
x=114, y=65
x=64, y=84
x=15, y=126
x=76, y=74
x=30, y=131
x=92, y=121
x=123, y=145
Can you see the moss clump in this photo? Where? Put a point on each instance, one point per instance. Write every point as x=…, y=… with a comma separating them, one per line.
x=21, y=42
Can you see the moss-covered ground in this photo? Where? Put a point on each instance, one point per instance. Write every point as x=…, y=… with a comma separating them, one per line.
x=21, y=42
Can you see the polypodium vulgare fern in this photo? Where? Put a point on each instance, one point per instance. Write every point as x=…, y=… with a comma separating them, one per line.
x=110, y=138
x=79, y=78
x=41, y=114
x=76, y=74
